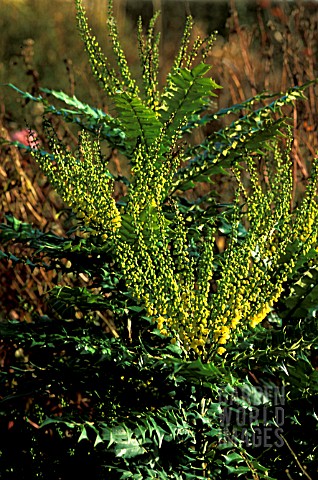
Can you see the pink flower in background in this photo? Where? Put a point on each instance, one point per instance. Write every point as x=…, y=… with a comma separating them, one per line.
x=26, y=137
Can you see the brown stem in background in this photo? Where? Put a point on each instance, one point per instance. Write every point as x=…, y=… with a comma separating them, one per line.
x=296, y=458
x=294, y=156
x=244, y=49
x=70, y=72
x=27, y=54
x=236, y=81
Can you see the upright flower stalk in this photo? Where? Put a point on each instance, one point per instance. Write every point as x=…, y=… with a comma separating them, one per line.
x=192, y=301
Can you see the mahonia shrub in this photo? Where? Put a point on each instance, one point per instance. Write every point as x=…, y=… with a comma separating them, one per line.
x=170, y=267
x=89, y=394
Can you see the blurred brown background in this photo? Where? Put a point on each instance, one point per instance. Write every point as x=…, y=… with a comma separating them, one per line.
x=40, y=46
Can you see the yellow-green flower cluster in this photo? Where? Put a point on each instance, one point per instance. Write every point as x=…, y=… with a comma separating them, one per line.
x=98, y=61
x=174, y=288
x=162, y=279
x=83, y=182
x=158, y=267
x=306, y=225
x=127, y=81
x=255, y=269
x=148, y=50
x=150, y=235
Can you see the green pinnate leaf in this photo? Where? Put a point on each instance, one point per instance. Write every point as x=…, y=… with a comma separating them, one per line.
x=187, y=92
x=138, y=121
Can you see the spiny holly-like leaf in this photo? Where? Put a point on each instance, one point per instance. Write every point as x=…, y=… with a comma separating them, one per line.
x=303, y=296
x=139, y=121
x=92, y=115
x=79, y=296
x=248, y=133
x=84, y=108
x=187, y=91
x=89, y=118
x=125, y=443
x=247, y=106
x=225, y=147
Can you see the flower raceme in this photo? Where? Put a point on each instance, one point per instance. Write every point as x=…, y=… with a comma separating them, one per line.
x=169, y=262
